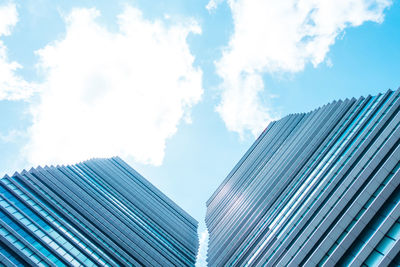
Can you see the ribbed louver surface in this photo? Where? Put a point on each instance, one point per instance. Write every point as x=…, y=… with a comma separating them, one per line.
x=320, y=188
x=98, y=212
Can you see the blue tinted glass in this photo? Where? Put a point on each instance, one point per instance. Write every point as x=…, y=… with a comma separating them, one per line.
x=385, y=244
x=394, y=232
x=374, y=258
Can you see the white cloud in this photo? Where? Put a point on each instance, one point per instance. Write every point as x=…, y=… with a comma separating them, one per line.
x=12, y=86
x=11, y=136
x=213, y=4
x=201, y=260
x=8, y=18
x=113, y=93
x=279, y=37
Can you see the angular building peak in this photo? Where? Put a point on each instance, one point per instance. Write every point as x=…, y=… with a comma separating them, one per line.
x=320, y=188
x=97, y=212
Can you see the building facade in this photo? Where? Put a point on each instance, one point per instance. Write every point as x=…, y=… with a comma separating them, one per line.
x=98, y=212
x=320, y=188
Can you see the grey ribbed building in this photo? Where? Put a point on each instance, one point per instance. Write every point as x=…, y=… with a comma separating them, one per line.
x=99, y=212
x=320, y=188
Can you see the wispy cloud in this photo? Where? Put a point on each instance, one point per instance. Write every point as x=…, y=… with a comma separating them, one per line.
x=12, y=86
x=213, y=4
x=12, y=136
x=113, y=93
x=201, y=260
x=279, y=37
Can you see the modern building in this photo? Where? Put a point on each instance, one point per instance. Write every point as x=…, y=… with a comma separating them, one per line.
x=99, y=212
x=320, y=188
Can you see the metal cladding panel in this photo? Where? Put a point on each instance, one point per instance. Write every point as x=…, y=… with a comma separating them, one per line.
x=320, y=188
x=98, y=212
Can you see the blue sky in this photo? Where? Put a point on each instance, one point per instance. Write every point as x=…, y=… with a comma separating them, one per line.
x=179, y=89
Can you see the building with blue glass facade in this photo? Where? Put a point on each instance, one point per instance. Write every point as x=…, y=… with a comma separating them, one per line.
x=320, y=188
x=98, y=212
